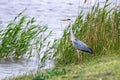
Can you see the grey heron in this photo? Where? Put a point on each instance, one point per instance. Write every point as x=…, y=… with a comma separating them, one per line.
x=79, y=45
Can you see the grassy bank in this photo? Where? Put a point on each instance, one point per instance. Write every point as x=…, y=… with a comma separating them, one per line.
x=103, y=68
x=100, y=68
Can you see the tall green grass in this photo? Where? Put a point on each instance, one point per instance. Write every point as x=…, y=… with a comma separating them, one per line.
x=23, y=36
x=99, y=28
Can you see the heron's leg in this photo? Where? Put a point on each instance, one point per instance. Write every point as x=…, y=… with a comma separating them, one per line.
x=79, y=56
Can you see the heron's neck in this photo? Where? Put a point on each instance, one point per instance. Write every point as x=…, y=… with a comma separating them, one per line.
x=71, y=32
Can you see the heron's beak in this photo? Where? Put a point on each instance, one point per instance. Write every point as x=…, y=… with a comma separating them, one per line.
x=63, y=20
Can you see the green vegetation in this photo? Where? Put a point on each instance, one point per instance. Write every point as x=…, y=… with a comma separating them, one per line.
x=99, y=29
x=22, y=36
x=104, y=68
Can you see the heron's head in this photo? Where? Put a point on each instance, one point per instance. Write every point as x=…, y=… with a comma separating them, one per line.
x=68, y=20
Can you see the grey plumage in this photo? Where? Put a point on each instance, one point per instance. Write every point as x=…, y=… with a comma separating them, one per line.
x=79, y=45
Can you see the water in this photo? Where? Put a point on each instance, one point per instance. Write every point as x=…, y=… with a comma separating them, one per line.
x=48, y=12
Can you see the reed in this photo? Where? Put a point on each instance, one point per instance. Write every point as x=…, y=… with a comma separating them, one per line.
x=99, y=28
x=21, y=37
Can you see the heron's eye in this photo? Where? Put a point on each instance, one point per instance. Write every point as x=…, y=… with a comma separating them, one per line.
x=68, y=19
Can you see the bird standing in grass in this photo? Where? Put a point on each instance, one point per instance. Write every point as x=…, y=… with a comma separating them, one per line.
x=79, y=45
